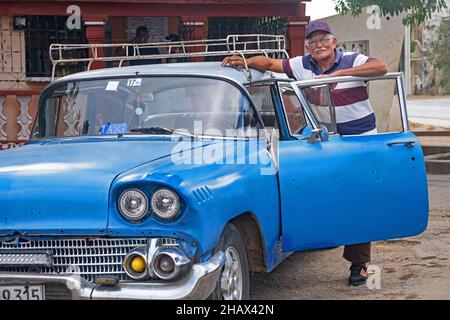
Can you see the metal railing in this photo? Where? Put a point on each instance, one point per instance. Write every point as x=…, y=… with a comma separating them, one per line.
x=248, y=44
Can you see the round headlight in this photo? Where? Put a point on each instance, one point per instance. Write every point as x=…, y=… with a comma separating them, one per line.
x=166, y=204
x=133, y=204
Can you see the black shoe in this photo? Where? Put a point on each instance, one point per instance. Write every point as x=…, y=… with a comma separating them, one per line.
x=358, y=275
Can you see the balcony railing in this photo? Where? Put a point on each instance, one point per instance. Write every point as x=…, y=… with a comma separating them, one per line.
x=17, y=111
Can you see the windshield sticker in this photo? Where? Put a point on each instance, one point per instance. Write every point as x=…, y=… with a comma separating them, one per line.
x=113, y=128
x=112, y=85
x=134, y=82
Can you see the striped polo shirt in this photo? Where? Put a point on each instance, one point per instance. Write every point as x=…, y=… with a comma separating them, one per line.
x=354, y=114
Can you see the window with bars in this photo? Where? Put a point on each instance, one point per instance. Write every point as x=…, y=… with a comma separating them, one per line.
x=354, y=46
x=40, y=32
x=221, y=27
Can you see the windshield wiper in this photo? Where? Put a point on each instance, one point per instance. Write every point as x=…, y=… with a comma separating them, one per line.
x=152, y=130
x=159, y=130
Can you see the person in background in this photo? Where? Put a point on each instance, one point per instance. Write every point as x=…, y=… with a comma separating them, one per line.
x=142, y=36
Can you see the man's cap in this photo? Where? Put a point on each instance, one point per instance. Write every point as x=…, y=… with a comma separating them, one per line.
x=314, y=26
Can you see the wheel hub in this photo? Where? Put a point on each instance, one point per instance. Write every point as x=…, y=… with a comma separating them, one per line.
x=231, y=281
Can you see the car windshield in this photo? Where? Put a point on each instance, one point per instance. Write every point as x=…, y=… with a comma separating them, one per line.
x=145, y=105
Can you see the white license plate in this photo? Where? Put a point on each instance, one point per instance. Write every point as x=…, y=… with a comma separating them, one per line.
x=22, y=292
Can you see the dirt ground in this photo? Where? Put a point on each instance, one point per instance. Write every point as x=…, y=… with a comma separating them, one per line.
x=411, y=268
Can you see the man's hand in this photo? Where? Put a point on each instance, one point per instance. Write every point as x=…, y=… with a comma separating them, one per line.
x=260, y=63
x=233, y=61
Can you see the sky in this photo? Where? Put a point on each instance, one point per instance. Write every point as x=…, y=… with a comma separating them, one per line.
x=317, y=9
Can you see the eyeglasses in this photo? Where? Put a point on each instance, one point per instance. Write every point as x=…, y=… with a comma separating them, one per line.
x=323, y=39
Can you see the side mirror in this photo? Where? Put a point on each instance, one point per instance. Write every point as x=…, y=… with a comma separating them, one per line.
x=317, y=135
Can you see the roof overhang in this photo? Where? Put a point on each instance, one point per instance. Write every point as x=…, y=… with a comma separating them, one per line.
x=163, y=8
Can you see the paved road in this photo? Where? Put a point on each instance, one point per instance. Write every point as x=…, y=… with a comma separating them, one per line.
x=430, y=112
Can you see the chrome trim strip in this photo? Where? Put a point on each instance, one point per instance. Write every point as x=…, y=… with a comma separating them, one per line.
x=317, y=82
x=402, y=98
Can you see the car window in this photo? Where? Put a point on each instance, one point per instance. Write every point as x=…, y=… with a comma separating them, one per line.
x=337, y=104
x=262, y=96
x=295, y=115
x=110, y=106
x=321, y=104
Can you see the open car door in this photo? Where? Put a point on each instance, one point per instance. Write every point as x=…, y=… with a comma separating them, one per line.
x=350, y=189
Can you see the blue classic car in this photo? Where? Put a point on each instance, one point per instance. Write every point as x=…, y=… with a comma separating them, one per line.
x=175, y=181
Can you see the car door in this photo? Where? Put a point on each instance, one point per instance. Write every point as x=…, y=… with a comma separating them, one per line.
x=350, y=189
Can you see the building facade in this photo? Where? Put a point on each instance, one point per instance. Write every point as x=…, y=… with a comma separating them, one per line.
x=28, y=27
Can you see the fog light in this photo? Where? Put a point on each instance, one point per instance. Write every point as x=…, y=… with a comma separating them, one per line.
x=166, y=264
x=135, y=264
x=170, y=263
x=138, y=264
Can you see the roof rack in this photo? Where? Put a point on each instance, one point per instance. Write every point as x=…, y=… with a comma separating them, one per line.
x=248, y=44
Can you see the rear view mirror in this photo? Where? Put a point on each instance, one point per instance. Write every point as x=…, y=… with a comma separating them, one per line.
x=315, y=135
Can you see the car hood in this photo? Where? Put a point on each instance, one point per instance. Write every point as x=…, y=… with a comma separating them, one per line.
x=62, y=186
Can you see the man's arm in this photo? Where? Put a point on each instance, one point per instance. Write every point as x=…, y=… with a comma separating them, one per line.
x=260, y=63
x=372, y=68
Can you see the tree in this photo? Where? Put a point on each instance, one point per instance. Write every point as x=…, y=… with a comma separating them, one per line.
x=439, y=55
x=417, y=10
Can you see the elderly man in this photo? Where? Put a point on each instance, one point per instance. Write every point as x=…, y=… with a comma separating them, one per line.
x=356, y=116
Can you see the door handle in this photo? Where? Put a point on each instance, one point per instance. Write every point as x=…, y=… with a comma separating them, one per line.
x=408, y=143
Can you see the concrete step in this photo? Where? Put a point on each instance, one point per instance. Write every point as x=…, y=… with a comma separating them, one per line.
x=438, y=163
x=431, y=150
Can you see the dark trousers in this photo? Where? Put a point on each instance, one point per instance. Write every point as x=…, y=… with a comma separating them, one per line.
x=357, y=253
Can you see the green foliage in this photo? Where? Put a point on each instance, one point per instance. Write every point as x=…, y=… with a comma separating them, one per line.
x=413, y=46
x=417, y=10
x=440, y=54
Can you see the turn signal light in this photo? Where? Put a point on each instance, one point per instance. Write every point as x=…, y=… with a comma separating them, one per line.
x=138, y=264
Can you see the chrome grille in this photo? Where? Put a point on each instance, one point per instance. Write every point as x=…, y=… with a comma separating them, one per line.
x=169, y=242
x=87, y=257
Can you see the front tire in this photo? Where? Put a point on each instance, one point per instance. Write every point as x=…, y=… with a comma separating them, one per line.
x=234, y=282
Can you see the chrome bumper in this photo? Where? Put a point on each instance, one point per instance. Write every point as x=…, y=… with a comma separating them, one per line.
x=198, y=285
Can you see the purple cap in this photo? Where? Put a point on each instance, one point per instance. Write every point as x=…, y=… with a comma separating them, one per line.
x=314, y=26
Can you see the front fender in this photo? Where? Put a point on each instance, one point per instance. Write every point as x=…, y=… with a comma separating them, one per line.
x=213, y=194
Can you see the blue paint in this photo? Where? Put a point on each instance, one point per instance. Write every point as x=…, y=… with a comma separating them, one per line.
x=351, y=189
